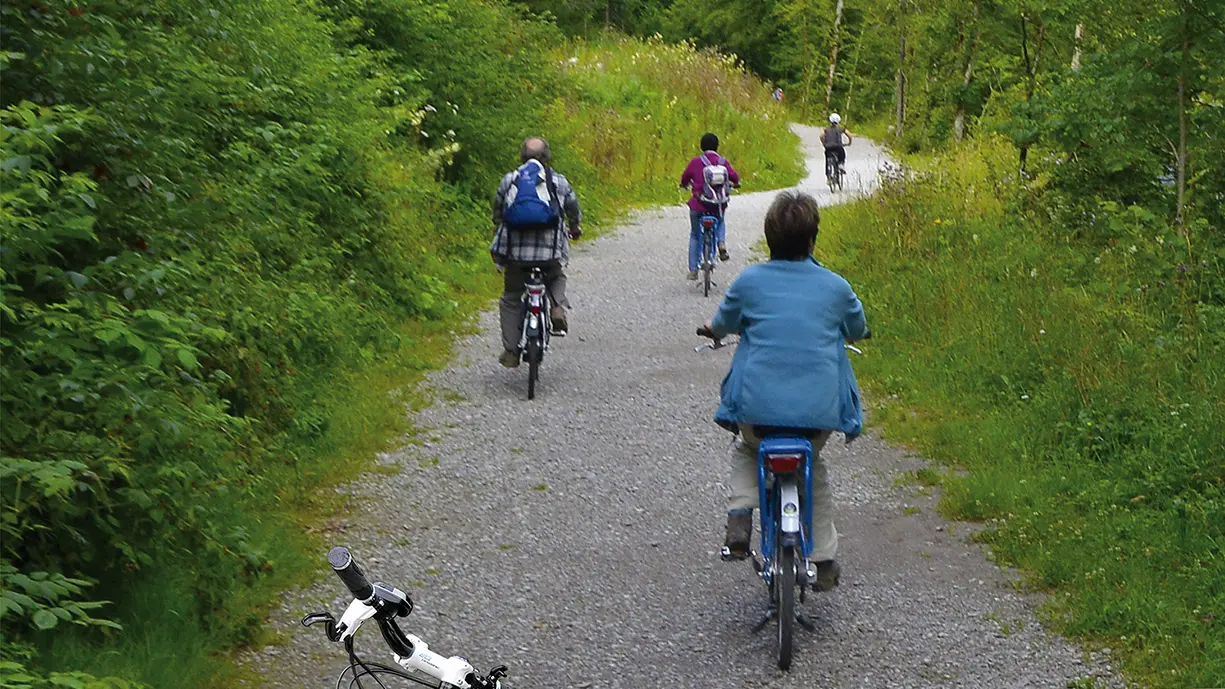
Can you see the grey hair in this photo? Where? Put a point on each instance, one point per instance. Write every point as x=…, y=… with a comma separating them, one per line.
x=535, y=147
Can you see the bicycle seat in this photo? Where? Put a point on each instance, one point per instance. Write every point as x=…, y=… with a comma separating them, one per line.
x=784, y=431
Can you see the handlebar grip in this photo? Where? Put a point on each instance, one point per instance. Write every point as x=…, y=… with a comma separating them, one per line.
x=350, y=573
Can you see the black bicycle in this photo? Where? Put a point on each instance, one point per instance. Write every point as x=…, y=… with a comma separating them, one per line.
x=534, y=341
x=385, y=603
x=833, y=172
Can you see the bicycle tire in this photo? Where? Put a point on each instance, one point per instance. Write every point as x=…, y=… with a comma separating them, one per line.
x=533, y=356
x=785, y=587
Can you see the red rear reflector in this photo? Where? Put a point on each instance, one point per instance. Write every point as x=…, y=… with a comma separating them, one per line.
x=783, y=464
x=536, y=309
x=708, y=222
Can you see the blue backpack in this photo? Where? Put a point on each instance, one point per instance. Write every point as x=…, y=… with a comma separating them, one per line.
x=531, y=202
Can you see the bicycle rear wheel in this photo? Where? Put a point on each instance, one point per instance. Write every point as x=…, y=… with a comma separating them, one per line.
x=708, y=261
x=785, y=587
x=533, y=354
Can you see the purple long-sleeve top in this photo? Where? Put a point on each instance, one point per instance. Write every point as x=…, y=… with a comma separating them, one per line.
x=693, y=176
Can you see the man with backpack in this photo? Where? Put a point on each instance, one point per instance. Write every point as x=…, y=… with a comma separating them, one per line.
x=711, y=177
x=530, y=213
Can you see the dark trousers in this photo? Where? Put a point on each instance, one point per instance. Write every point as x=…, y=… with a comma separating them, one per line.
x=511, y=304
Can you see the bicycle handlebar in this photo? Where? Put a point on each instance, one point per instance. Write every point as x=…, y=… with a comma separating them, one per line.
x=350, y=573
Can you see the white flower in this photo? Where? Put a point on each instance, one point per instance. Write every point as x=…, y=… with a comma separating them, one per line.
x=1024, y=397
x=1041, y=332
x=574, y=60
x=1131, y=249
x=1033, y=273
x=1097, y=259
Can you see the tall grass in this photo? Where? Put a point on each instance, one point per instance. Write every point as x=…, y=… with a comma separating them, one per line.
x=1079, y=377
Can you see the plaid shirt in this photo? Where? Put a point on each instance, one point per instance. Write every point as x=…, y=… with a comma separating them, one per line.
x=534, y=246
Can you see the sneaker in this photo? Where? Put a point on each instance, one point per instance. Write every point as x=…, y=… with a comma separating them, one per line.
x=828, y=573
x=739, y=532
x=509, y=359
x=693, y=275
x=723, y=255
x=558, y=324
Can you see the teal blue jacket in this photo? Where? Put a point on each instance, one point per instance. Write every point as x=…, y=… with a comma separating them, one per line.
x=791, y=368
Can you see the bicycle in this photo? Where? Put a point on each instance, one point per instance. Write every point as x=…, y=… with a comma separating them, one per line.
x=534, y=340
x=709, y=222
x=384, y=604
x=784, y=464
x=833, y=172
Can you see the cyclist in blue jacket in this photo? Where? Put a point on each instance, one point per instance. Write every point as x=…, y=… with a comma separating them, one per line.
x=790, y=370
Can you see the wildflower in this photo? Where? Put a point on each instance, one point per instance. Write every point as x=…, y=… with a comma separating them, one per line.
x=1024, y=397
x=574, y=60
x=1131, y=249
x=1183, y=267
x=937, y=221
x=1041, y=332
x=1033, y=272
x=430, y=108
x=1097, y=259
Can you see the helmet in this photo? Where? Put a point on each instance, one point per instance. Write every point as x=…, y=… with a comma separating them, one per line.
x=835, y=118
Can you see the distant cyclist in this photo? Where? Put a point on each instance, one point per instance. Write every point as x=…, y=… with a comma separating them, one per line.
x=535, y=214
x=711, y=177
x=831, y=137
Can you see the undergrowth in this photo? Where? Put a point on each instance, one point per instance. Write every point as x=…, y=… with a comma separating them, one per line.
x=1077, y=373
x=229, y=229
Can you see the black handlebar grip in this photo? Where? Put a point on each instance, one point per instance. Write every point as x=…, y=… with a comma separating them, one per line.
x=353, y=577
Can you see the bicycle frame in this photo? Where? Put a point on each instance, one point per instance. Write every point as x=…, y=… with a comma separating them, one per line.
x=535, y=310
x=775, y=497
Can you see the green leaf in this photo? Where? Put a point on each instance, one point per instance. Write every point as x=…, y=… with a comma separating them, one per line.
x=45, y=619
x=187, y=359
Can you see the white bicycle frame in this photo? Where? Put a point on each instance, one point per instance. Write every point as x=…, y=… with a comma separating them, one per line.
x=451, y=672
x=537, y=315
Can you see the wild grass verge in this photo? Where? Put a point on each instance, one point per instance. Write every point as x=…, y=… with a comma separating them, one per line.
x=1078, y=374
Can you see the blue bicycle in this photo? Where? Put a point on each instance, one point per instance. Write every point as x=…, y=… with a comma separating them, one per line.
x=784, y=479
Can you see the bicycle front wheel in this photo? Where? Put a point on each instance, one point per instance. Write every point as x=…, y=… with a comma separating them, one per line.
x=785, y=586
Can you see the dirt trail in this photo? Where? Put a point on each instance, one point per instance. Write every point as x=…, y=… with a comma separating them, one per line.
x=575, y=538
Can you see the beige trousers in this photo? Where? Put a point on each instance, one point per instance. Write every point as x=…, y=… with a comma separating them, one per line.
x=745, y=495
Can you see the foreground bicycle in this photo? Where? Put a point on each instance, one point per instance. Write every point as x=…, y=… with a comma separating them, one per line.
x=784, y=480
x=534, y=341
x=384, y=603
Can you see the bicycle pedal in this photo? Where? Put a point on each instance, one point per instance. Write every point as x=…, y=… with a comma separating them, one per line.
x=727, y=555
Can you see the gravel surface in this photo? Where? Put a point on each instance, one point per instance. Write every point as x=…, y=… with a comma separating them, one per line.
x=575, y=537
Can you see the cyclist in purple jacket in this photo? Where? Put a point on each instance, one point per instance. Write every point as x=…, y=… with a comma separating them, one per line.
x=694, y=178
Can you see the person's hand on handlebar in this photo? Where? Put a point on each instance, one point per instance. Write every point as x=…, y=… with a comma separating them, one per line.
x=576, y=232
x=706, y=331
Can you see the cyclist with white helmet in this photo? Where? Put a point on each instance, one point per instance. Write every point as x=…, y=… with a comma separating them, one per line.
x=831, y=137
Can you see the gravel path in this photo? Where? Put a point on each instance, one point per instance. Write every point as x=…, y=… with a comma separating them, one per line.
x=575, y=538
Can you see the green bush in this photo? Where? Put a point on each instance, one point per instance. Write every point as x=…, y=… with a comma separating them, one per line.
x=1078, y=376
x=228, y=229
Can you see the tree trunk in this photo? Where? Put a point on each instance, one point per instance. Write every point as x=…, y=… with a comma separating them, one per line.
x=959, y=121
x=1080, y=34
x=900, y=88
x=833, y=55
x=608, y=15
x=1180, y=207
x=1031, y=69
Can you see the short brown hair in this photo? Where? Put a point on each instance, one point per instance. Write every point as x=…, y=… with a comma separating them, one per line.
x=792, y=224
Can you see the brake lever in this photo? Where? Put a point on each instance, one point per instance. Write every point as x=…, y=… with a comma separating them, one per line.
x=331, y=630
